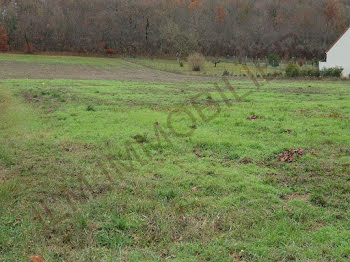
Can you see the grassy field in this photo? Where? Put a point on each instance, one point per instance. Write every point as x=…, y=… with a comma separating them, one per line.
x=168, y=168
x=72, y=60
x=234, y=69
x=231, y=68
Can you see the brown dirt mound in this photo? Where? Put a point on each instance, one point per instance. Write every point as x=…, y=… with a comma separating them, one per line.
x=291, y=155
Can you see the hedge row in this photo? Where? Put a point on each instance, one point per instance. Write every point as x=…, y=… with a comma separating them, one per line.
x=293, y=70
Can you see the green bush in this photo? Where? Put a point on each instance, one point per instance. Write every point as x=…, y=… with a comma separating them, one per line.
x=312, y=72
x=90, y=108
x=274, y=60
x=292, y=70
x=332, y=72
x=274, y=74
x=181, y=64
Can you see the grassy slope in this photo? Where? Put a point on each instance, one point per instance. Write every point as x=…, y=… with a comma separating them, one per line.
x=207, y=196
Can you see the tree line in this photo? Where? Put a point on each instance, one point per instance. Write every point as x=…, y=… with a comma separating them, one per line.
x=175, y=27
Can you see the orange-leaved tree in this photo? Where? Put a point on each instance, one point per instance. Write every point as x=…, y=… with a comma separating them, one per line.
x=335, y=15
x=220, y=15
x=195, y=4
x=3, y=40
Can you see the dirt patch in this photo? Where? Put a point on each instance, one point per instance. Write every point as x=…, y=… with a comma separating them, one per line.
x=296, y=196
x=4, y=174
x=254, y=117
x=67, y=146
x=199, y=155
x=291, y=155
x=336, y=115
x=246, y=161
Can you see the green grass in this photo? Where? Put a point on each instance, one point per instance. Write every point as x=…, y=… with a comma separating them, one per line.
x=232, y=68
x=203, y=197
x=65, y=60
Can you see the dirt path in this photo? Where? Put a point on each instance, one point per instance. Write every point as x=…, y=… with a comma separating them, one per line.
x=126, y=71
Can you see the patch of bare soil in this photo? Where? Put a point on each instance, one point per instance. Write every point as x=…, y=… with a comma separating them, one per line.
x=252, y=118
x=336, y=115
x=295, y=196
x=291, y=155
x=246, y=161
x=4, y=174
x=125, y=72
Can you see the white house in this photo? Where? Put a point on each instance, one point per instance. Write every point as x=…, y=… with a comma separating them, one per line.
x=338, y=55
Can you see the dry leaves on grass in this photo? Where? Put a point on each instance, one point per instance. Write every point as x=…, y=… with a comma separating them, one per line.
x=238, y=257
x=167, y=256
x=181, y=210
x=36, y=258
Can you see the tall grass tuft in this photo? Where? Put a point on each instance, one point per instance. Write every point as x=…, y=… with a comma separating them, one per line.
x=197, y=61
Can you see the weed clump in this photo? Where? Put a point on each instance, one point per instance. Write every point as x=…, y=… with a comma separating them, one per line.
x=196, y=61
x=226, y=73
x=141, y=138
x=90, y=108
x=318, y=200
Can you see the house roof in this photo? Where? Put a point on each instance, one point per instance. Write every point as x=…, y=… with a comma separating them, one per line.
x=329, y=49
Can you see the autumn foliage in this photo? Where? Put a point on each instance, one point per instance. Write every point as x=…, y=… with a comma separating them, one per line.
x=110, y=51
x=220, y=15
x=195, y=4
x=233, y=28
x=332, y=9
x=335, y=16
x=3, y=40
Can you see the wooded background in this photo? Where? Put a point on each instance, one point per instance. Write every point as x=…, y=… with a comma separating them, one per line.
x=166, y=27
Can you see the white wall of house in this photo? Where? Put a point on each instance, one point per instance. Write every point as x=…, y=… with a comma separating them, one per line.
x=339, y=55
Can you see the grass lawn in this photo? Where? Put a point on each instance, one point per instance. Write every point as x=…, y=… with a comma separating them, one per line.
x=108, y=170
